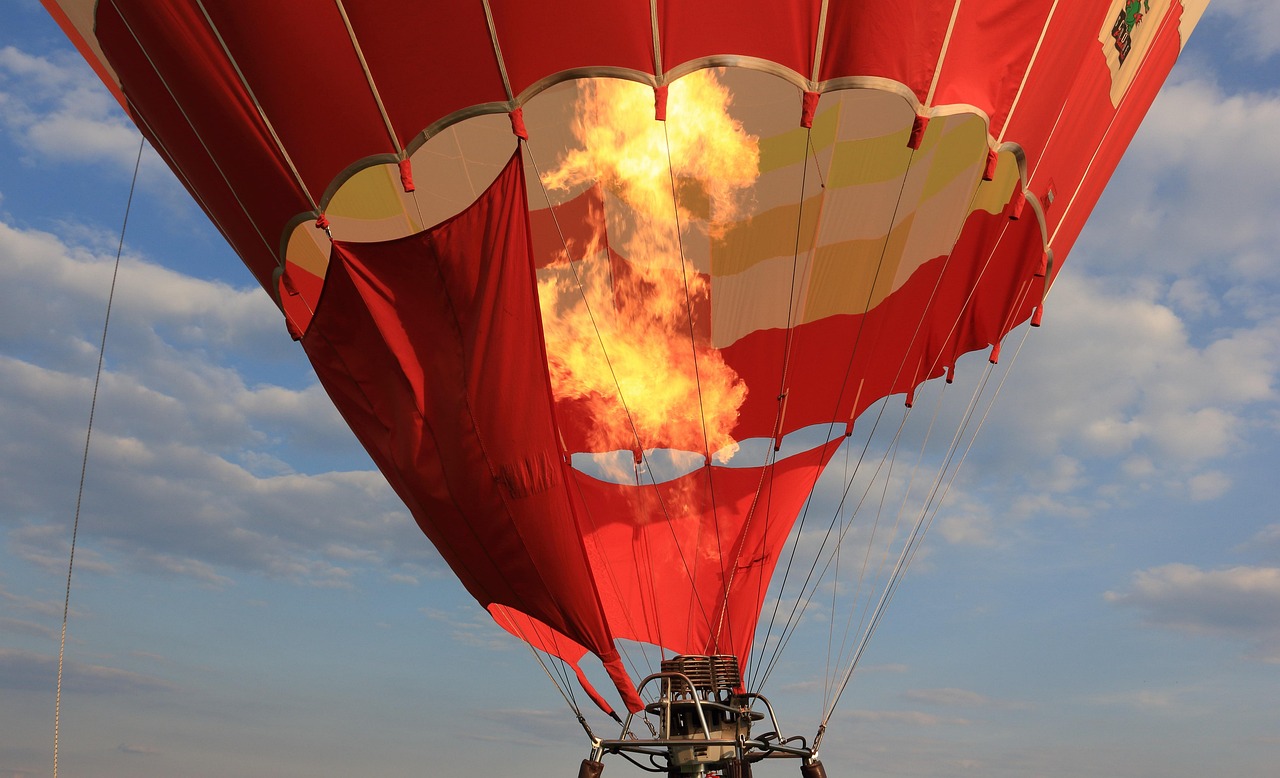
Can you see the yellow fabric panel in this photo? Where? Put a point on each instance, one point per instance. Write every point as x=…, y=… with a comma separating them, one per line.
x=960, y=142
x=305, y=252
x=371, y=230
x=994, y=195
x=939, y=220
x=790, y=148
x=870, y=160
x=371, y=194
x=765, y=236
x=755, y=300
x=843, y=274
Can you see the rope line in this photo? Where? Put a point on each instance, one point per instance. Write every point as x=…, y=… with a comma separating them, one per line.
x=635, y=432
x=84, y=459
x=905, y=557
x=857, y=340
x=802, y=601
x=702, y=408
x=791, y=625
x=770, y=453
x=934, y=504
x=714, y=646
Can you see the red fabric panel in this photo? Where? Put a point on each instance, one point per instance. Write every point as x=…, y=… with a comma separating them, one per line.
x=539, y=39
x=947, y=308
x=543, y=638
x=73, y=34
x=1070, y=211
x=427, y=60
x=665, y=555
x=777, y=32
x=894, y=39
x=300, y=289
x=299, y=63
x=988, y=54
x=1069, y=60
x=575, y=224
x=247, y=192
x=430, y=347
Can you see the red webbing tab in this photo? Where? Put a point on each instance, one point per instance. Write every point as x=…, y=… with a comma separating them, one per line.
x=782, y=415
x=406, y=174
x=1016, y=203
x=322, y=222
x=294, y=332
x=917, y=131
x=595, y=696
x=911, y=396
x=808, y=109
x=989, y=172
x=995, y=355
x=1043, y=270
x=517, y=124
x=660, y=103
x=286, y=283
x=951, y=374
x=1037, y=316
x=626, y=687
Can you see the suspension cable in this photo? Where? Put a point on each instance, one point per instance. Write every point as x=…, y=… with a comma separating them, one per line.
x=635, y=431
x=929, y=512
x=853, y=352
x=803, y=600
x=84, y=459
x=714, y=629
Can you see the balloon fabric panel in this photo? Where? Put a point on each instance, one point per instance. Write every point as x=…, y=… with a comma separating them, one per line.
x=429, y=346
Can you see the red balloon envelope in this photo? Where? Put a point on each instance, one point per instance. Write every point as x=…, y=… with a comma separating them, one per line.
x=573, y=271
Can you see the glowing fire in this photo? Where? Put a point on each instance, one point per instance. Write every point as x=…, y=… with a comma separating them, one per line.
x=644, y=311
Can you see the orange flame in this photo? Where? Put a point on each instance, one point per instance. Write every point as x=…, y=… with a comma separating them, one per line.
x=624, y=337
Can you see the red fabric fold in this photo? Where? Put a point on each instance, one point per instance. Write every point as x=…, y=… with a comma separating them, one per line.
x=430, y=346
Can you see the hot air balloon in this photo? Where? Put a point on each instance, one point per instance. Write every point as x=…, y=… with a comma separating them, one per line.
x=603, y=287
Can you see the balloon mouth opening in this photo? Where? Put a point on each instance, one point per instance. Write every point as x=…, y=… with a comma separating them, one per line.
x=626, y=305
x=661, y=465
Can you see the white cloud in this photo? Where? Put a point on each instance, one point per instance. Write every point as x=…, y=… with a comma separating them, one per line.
x=958, y=698
x=1158, y=359
x=909, y=717
x=10, y=626
x=1241, y=602
x=48, y=547
x=185, y=473
x=1193, y=298
x=1268, y=538
x=967, y=528
x=25, y=604
x=1208, y=486
x=1119, y=386
x=56, y=108
x=1194, y=195
x=30, y=671
x=472, y=627
x=1256, y=23
x=882, y=668
x=1145, y=700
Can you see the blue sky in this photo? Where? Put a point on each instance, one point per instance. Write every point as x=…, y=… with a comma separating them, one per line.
x=1099, y=595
